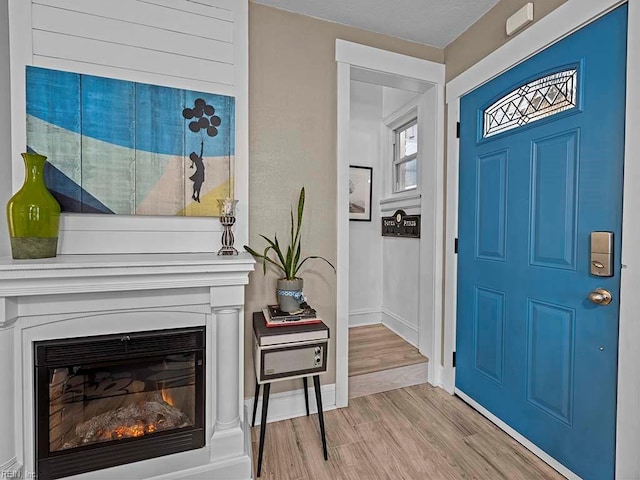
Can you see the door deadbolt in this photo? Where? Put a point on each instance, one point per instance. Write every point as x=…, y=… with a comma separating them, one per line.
x=600, y=296
x=601, y=254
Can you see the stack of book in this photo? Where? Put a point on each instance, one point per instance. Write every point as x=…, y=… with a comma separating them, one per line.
x=266, y=336
x=274, y=317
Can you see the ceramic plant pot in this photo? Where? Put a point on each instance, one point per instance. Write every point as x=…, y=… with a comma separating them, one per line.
x=33, y=214
x=289, y=294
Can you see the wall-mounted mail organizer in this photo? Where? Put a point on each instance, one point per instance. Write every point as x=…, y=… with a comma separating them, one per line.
x=401, y=225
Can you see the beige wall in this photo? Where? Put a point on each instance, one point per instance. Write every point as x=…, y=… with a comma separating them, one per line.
x=292, y=142
x=292, y=136
x=488, y=34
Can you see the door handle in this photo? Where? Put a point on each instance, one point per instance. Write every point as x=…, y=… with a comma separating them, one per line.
x=600, y=296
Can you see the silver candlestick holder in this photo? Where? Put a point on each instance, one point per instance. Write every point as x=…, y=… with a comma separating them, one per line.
x=227, y=207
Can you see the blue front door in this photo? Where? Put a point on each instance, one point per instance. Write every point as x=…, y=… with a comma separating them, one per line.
x=541, y=160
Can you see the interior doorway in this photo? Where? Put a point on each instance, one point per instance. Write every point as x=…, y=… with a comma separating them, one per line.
x=385, y=151
x=419, y=86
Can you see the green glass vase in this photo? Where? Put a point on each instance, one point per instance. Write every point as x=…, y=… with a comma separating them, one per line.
x=33, y=214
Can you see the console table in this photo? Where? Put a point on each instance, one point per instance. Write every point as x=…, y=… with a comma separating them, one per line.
x=284, y=353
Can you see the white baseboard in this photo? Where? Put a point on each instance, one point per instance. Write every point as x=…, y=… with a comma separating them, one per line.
x=528, y=444
x=437, y=380
x=286, y=405
x=359, y=318
x=400, y=326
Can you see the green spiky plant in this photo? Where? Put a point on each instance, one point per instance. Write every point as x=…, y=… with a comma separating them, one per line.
x=288, y=263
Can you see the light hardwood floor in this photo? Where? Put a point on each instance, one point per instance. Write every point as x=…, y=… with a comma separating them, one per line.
x=380, y=360
x=417, y=432
x=373, y=348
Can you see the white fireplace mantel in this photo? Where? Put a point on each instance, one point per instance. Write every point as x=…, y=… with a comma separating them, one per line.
x=83, y=295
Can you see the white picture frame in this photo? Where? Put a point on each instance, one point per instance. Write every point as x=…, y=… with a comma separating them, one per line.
x=360, y=183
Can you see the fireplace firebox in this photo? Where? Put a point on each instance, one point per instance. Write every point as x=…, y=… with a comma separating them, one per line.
x=109, y=400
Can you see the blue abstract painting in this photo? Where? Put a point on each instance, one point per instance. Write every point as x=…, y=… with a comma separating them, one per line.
x=130, y=148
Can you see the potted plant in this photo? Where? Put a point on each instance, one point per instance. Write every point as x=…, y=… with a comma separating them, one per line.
x=288, y=262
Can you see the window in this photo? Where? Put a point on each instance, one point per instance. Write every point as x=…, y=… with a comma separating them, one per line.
x=405, y=157
x=541, y=98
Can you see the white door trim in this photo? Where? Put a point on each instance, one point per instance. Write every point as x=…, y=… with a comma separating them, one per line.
x=342, y=220
x=555, y=26
x=350, y=55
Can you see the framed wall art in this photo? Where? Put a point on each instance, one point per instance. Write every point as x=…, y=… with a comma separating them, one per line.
x=129, y=148
x=360, y=193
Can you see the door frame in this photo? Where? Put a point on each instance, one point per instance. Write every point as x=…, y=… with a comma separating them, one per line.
x=561, y=22
x=383, y=63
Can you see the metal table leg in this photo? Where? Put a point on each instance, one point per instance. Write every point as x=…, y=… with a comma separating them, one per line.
x=263, y=424
x=255, y=404
x=316, y=384
x=306, y=394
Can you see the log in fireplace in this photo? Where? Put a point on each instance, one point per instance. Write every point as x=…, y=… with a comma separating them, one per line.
x=109, y=400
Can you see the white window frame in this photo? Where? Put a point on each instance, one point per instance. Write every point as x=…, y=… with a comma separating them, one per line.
x=398, y=159
x=392, y=123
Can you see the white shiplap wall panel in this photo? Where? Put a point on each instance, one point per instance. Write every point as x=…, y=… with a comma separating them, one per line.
x=52, y=45
x=110, y=240
x=150, y=14
x=96, y=221
x=223, y=4
x=127, y=74
x=222, y=9
x=199, y=45
x=89, y=233
x=87, y=26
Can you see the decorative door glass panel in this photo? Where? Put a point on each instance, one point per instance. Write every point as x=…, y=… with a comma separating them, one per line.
x=533, y=101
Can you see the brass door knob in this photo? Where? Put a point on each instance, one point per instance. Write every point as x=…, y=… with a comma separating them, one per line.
x=600, y=296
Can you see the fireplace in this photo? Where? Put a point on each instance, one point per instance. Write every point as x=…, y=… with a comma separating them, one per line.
x=61, y=304
x=108, y=400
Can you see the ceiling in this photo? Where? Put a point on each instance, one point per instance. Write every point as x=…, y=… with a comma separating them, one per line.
x=431, y=22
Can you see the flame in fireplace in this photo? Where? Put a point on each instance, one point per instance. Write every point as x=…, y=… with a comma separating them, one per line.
x=142, y=428
x=137, y=430
x=153, y=414
x=167, y=396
